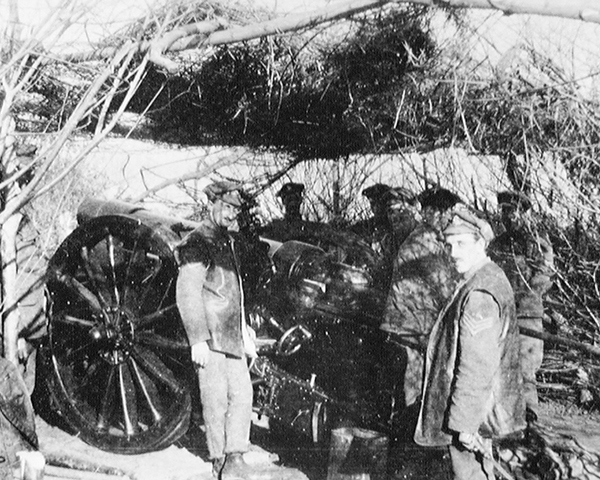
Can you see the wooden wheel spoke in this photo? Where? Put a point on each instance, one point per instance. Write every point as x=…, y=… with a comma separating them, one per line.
x=148, y=280
x=125, y=404
x=107, y=405
x=156, y=317
x=74, y=321
x=137, y=375
x=127, y=280
x=154, y=340
x=80, y=290
x=156, y=369
x=87, y=380
x=92, y=275
x=72, y=355
x=110, y=243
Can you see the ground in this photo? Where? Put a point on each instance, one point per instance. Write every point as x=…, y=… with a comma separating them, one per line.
x=286, y=458
x=178, y=462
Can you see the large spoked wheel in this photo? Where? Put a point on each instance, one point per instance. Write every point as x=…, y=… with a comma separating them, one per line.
x=117, y=354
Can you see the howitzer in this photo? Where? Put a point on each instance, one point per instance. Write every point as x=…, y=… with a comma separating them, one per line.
x=115, y=364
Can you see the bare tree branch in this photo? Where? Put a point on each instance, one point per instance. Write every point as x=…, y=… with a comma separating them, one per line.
x=202, y=173
x=586, y=10
x=210, y=33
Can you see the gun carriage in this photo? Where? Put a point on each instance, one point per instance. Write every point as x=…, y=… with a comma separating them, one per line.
x=115, y=363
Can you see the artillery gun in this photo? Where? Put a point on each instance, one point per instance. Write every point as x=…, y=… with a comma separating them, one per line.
x=115, y=364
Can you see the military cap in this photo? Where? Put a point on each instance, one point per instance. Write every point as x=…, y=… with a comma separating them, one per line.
x=228, y=192
x=438, y=198
x=466, y=221
x=398, y=195
x=291, y=188
x=517, y=199
x=376, y=192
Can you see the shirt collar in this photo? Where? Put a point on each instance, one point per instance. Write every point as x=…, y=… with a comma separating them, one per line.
x=476, y=267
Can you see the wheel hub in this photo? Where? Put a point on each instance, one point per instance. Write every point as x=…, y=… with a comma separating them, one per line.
x=114, y=336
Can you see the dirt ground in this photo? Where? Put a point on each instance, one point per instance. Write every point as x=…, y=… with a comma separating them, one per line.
x=186, y=460
x=281, y=457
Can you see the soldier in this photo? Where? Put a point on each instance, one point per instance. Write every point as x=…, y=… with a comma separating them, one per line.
x=210, y=301
x=526, y=256
x=375, y=228
x=292, y=226
x=472, y=390
x=403, y=211
x=291, y=195
x=422, y=282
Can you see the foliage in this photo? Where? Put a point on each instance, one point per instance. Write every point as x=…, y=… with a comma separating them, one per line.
x=285, y=93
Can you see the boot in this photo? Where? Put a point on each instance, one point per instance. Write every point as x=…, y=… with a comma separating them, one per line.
x=217, y=466
x=235, y=468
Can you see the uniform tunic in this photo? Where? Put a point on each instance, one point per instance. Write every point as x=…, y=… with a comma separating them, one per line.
x=528, y=261
x=473, y=380
x=422, y=282
x=210, y=301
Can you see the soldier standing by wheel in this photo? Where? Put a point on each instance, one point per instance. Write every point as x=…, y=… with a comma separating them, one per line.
x=210, y=301
x=526, y=256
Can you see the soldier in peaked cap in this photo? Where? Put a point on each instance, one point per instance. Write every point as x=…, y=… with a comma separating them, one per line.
x=472, y=388
x=210, y=302
x=437, y=198
x=291, y=195
x=403, y=211
x=292, y=226
x=291, y=188
x=526, y=256
x=376, y=231
x=374, y=228
x=227, y=192
x=513, y=199
x=375, y=194
x=423, y=279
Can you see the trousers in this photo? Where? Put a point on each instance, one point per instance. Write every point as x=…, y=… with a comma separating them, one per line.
x=467, y=465
x=226, y=397
x=532, y=355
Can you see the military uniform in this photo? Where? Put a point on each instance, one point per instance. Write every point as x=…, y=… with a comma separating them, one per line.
x=403, y=212
x=376, y=228
x=292, y=226
x=422, y=281
x=210, y=301
x=473, y=386
x=527, y=258
x=376, y=231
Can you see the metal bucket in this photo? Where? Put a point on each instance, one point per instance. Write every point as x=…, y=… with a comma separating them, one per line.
x=357, y=454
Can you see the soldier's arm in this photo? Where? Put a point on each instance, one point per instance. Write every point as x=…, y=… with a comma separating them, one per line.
x=194, y=262
x=543, y=267
x=190, y=282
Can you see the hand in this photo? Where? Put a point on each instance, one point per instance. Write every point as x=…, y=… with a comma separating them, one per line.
x=474, y=443
x=200, y=352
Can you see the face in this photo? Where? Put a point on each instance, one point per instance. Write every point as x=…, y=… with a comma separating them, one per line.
x=436, y=218
x=378, y=208
x=224, y=214
x=466, y=250
x=513, y=217
x=292, y=202
x=401, y=215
